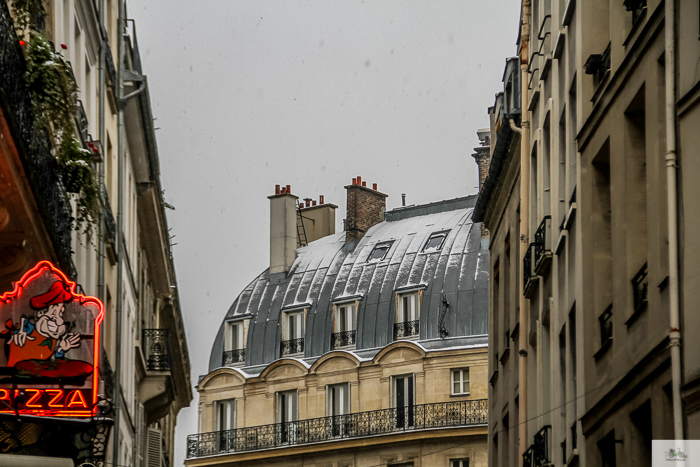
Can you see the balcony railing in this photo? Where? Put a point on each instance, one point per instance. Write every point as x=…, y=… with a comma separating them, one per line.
x=529, y=275
x=606, y=325
x=357, y=425
x=542, y=446
x=543, y=243
x=33, y=144
x=529, y=457
x=156, y=343
x=292, y=346
x=640, y=289
x=342, y=339
x=406, y=329
x=108, y=215
x=231, y=357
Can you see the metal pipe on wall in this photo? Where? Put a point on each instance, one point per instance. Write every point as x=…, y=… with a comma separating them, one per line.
x=524, y=231
x=672, y=197
x=121, y=27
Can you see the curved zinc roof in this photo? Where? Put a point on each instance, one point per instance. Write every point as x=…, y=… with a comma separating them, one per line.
x=326, y=271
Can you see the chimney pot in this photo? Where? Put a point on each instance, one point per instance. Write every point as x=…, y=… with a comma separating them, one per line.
x=314, y=203
x=354, y=181
x=403, y=199
x=364, y=184
x=277, y=189
x=289, y=189
x=359, y=180
x=374, y=186
x=320, y=199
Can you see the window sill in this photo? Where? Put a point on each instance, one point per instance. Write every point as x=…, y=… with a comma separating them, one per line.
x=504, y=357
x=345, y=347
x=460, y=395
x=293, y=355
x=603, y=349
x=636, y=314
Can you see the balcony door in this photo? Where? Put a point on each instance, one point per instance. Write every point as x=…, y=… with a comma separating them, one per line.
x=339, y=408
x=404, y=401
x=287, y=414
x=293, y=333
x=225, y=421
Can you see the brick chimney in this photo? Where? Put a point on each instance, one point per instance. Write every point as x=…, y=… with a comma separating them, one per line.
x=482, y=155
x=365, y=208
x=318, y=219
x=283, y=229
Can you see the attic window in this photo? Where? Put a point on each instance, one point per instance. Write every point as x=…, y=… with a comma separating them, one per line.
x=379, y=252
x=435, y=241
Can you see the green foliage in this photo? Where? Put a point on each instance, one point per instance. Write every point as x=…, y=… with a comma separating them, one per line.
x=79, y=177
x=25, y=12
x=50, y=81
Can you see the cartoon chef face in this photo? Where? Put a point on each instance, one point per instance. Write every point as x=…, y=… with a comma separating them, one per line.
x=49, y=322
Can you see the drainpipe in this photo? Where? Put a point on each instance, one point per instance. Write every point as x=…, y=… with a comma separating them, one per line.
x=671, y=174
x=121, y=25
x=524, y=231
x=101, y=174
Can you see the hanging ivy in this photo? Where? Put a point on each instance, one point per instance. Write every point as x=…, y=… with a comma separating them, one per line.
x=50, y=81
x=25, y=12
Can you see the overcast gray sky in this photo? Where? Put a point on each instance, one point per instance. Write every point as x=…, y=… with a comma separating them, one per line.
x=249, y=94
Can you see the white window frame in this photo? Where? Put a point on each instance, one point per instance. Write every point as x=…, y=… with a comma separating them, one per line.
x=442, y=234
x=388, y=246
x=460, y=383
x=300, y=318
x=345, y=405
x=413, y=313
x=292, y=412
x=241, y=332
x=229, y=412
x=459, y=462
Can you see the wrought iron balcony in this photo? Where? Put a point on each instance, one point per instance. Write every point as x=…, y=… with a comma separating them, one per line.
x=543, y=245
x=156, y=344
x=231, y=357
x=529, y=275
x=529, y=457
x=606, y=326
x=343, y=339
x=640, y=289
x=542, y=446
x=33, y=144
x=324, y=429
x=110, y=224
x=406, y=329
x=292, y=346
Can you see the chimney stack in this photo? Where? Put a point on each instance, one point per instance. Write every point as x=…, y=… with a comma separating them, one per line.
x=365, y=208
x=482, y=155
x=283, y=229
x=318, y=219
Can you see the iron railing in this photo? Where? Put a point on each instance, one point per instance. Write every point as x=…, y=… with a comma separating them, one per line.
x=342, y=339
x=574, y=440
x=292, y=346
x=33, y=144
x=156, y=343
x=406, y=329
x=543, y=239
x=529, y=457
x=606, y=325
x=542, y=446
x=528, y=265
x=232, y=357
x=357, y=425
x=640, y=288
x=108, y=216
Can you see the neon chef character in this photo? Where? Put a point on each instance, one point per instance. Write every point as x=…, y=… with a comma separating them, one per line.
x=48, y=336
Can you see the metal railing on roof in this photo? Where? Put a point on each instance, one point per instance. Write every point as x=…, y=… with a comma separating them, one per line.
x=339, y=427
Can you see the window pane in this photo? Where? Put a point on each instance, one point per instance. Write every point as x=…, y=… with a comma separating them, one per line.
x=378, y=253
x=234, y=337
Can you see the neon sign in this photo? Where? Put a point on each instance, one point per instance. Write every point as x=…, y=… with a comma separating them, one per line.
x=49, y=363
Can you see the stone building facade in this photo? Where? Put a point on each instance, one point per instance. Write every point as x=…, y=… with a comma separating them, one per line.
x=126, y=261
x=592, y=220
x=369, y=350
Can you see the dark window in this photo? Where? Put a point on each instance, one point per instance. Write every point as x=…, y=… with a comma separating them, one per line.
x=379, y=252
x=435, y=241
x=606, y=446
x=459, y=463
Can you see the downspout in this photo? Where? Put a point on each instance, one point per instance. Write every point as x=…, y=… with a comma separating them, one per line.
x=671, y=175
x=121, y=25
x=102, y=137
x=524, y=232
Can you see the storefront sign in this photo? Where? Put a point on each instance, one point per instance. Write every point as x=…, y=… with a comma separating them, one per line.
x=51, y=340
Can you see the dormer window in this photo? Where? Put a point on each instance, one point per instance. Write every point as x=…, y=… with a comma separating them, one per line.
x=407, y=316
x=435, y=242
x=293, y=326
x=344, y=325
x=379, y=252
x=234, y=342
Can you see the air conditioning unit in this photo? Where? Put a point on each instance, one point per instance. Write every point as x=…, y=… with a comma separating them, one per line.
x=511, y=88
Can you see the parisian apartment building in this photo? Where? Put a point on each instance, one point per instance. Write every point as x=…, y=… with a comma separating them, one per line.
x=355, y=348
x=93, y=152
x=591, y=204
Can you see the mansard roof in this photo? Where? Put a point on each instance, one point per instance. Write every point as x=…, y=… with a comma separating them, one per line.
x=329, y=271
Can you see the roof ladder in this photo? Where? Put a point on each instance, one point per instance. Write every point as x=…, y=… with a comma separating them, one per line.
x=301, y=230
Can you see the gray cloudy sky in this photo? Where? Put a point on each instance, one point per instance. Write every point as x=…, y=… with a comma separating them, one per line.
x=249, y=94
